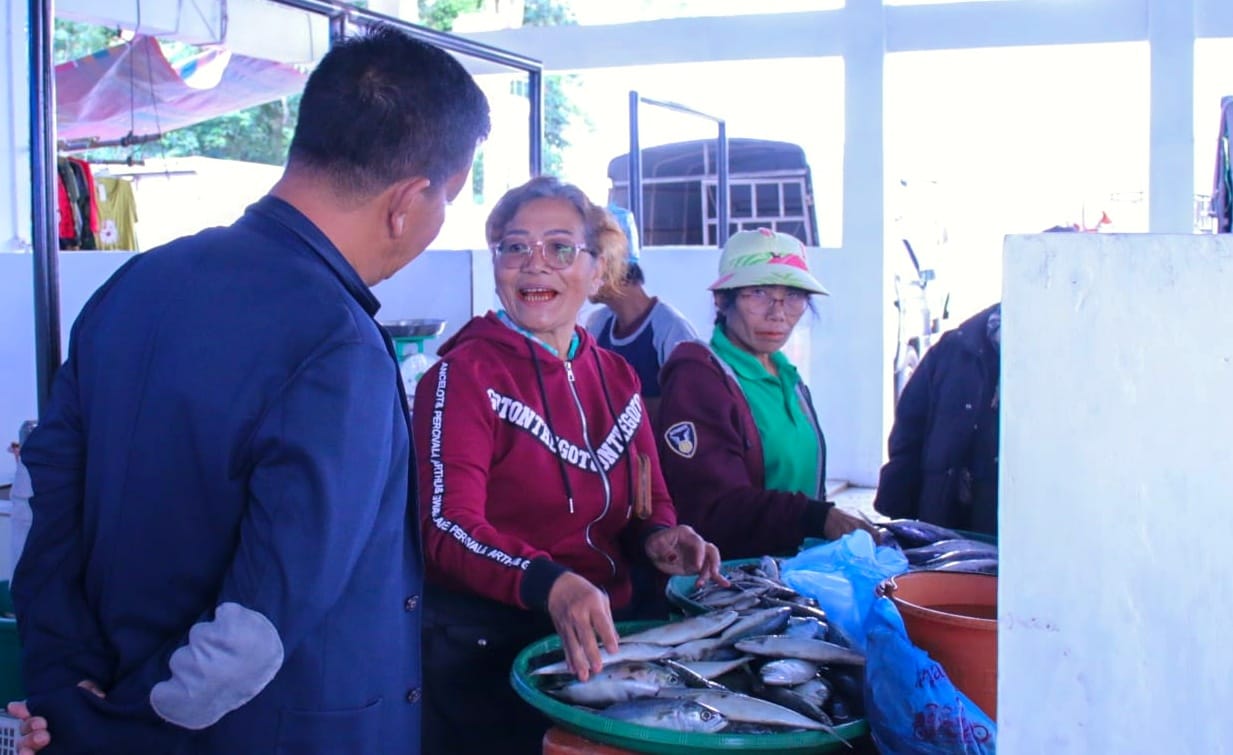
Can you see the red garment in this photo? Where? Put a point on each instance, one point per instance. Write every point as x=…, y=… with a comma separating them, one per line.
x=64, y=211
x=718, y=478
x=88, y=174
x=495, y=447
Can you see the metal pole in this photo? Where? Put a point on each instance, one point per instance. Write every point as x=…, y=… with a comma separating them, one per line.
x=44, y=234
x=535, y=92
x=723, y=200
x=635, y=167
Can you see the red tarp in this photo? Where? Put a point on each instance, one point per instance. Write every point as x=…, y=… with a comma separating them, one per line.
x=132, y=88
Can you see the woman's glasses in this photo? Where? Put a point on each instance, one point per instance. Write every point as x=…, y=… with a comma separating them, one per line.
x=762, y=300
x=558, y=253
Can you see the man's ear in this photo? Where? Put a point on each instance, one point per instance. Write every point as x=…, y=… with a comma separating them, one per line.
x=405, y=198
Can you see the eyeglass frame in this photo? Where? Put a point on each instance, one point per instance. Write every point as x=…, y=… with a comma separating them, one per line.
x=541, y=245
x=751, y=296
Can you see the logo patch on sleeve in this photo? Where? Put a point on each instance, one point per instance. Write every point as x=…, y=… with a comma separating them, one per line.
x=682, y=439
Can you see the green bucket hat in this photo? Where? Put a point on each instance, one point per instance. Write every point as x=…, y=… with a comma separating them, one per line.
x=765, y=258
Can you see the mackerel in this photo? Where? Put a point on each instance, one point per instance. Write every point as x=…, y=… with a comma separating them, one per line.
x=680, y=632
x=737, y=707
x=664, y=713
x=632, y=652
x=818, y=651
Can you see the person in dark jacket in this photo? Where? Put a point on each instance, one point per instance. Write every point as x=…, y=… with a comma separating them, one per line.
x=743, y=453
x=541, y=476
x=943, y=447
x=223, y=557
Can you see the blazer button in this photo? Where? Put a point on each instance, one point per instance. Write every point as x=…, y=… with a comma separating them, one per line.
x=412, y=603
x=413, y=696
x=967, y=406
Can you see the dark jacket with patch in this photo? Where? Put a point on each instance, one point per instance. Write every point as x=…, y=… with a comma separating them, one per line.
x=526, y=470
x=712, y=458
x=221, y=493
x=944, y=444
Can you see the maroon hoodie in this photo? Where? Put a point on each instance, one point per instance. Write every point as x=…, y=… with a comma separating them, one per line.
x=524, y=466
x=712, y=458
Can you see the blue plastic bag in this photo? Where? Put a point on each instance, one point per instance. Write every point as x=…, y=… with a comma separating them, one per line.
x=912, y=706
x=843, y=576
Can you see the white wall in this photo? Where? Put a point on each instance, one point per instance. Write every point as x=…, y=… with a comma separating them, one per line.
x=437, y=285
x=1114, y=596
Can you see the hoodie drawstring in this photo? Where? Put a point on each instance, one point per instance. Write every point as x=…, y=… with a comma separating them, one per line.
x=629, y=468
x=543, y=394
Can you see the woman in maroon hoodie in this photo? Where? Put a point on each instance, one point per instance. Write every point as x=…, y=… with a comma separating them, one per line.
x=538, y=475
x=742, y=450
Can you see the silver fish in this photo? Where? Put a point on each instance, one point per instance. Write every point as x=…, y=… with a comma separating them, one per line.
x=689, y=677
x=618, y=683
x=805, y=628
x=635, y=651
x=816, y=691
x=818, y=651
x=737, y=707
x=789, y=699
x=697, y=650
x=976, y=566
x=664, y=713
x=787, y=672
x=738, y=600
x=765, y=621
x=680, y=632
x=769, y=568
x=712, y=669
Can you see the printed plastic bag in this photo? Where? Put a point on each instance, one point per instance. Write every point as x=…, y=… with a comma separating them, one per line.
x=843, y=576
x=912, y=706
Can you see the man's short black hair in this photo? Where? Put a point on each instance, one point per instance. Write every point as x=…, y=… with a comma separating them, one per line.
x=634, y=274
x=384, y=107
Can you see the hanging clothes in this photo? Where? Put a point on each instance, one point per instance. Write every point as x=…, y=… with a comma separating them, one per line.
x=68, y=207
x=79, y=225
x=117, y=209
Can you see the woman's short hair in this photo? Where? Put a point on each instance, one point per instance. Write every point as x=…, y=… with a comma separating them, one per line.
x=603, y=234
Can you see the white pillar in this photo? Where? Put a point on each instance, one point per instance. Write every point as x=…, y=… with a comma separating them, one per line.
x=15, y=226
x=852, y=374
x=1171, y=33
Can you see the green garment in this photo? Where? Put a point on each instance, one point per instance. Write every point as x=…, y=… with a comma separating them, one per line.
x=117, y=211
x=789, y=437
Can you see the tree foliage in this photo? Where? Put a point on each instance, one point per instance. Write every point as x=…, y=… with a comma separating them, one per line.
x=259, y=134
x=263, y=133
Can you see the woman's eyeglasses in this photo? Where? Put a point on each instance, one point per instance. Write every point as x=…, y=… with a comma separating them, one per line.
x=762, y=300
x=558, y=253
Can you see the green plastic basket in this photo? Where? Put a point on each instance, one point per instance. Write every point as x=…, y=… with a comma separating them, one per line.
x=680, y=587
x=651, y=740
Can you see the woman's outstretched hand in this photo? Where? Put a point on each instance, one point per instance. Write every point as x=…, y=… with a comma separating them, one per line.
x=681, y=550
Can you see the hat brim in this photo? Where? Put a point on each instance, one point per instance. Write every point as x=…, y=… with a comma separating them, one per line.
x=770, y=275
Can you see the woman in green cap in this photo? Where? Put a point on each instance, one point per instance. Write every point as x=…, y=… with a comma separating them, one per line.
x=740, y=444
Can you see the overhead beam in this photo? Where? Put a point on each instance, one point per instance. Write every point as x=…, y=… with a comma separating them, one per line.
x=1014, y=23
x=677, y=40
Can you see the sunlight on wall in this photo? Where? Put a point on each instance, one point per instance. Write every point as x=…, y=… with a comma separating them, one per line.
x=1021, y=139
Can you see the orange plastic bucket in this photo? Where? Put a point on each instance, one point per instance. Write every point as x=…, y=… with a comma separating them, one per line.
x=953, y=617
x=558, y=741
